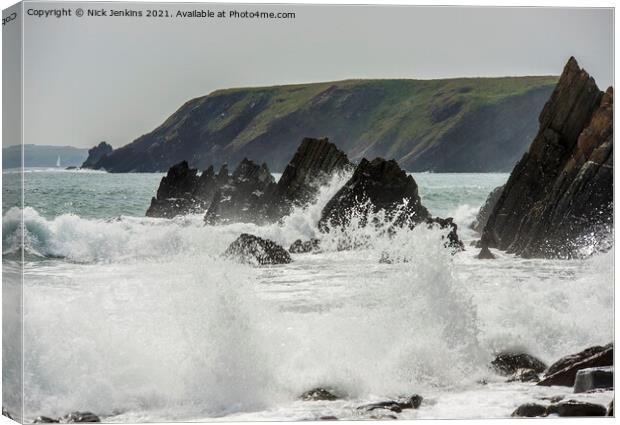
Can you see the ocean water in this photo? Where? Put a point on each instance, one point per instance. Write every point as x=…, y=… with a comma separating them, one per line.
x=139, y=319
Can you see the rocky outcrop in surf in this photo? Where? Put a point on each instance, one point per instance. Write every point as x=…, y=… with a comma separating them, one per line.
x=559, y=197
x=250, y=249
x=96, y=154
x=564, y=371
x=485, y=210
x=377, y=185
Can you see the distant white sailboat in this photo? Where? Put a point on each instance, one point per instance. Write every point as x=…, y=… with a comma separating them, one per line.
x=58, y=161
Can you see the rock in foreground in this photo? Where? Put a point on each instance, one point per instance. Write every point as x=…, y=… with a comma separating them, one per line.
x=594, y=378
x=566, y=376
x=559, y=196
x=175, y=195
x=250, y=249
x=319, y=394
x=511, y=363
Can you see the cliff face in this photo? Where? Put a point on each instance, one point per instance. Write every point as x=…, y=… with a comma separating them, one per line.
x=96, y=154
x=472, y=124
x=559, y=196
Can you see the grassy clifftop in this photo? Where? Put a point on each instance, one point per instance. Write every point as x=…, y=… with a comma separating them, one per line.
x=464, y=124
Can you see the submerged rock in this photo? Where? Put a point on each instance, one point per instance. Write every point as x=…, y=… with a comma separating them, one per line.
x=566, y=376
x=524, y=375
x=594, y=378
x=319, y=394
x=485, y=254
x=375, y=185
x=453, y=238
x=559, y=196
x=510, y=363
x=251, y=249
x=96, y=154
x=530, y=410
x=396, y=406
x=302, y=247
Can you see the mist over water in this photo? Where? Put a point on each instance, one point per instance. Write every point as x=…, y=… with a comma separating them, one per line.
x=140, y=319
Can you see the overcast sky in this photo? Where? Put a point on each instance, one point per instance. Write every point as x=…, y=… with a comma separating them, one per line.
x=114, y=79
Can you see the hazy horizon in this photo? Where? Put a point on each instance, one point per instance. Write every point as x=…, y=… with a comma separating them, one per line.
x=115, y=79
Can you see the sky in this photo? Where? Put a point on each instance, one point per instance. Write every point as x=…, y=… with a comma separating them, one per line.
x=90, y=79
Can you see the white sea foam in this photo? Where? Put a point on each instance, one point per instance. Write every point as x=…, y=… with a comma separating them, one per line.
x=141, y=319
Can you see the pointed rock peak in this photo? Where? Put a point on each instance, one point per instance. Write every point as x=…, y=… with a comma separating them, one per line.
x=223, y=171
x=209, y=172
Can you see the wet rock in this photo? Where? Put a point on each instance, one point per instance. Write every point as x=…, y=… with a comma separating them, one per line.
x=375, y=185
x=510, y=363
x=485, y=254
x=524, y=375
x=610, y=408
x=383, y=417
x=452, y=237
x=96, y=154
x=576, y=408
x=328, y=418
x=571, y=359
x=485, y=210
x=242, y=199
x=175, y=193
x=566, y=376
x=302, y=247
x=553, y=399
x=396, y=406
x=319, y=394
x=77, y=417
x=250, y=249
x=315, y=161
x=594, y=378
x=530, y=410
x=45, y=420
x=559, y=196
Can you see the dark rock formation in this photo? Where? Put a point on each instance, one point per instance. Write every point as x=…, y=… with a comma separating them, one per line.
x=485, y=210
x=452, y=237
x=574, y=408
x=509, y=363
x=96, y=154
x=375, y=185
x=302, y=247
x=46, y=420
x=594, y=378
x=315, y=161
x=610, y=408
x=571, y=359
x=485, y=254
x=175, y=195
x=242, y=199
x=530, y=410
x=561, y=191
x=566, y=376
x=70, y=418
x=250, y=249
x=319, y=394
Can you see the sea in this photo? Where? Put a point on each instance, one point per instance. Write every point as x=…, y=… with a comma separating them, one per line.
x=140, y=319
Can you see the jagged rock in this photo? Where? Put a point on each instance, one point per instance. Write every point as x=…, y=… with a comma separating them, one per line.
x=571, y=359
x=485, y=210
x=530, y=410
x=559, y=196
x=242, y=198
x=175, y=195
x=594, y=378
x=509, y=363
x=319, y=394
x=485, y=254
x=251, y=249
x=96, y=154
x=375, y=185
x=315, y=161
x=78, y=417
x=524, y=375
x=302, y=247
x=576, y=408
x=566, y=376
